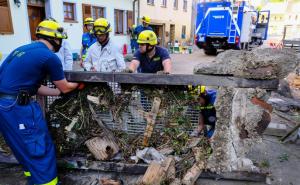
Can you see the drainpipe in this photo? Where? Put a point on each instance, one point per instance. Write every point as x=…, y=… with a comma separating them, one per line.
x=134, y=10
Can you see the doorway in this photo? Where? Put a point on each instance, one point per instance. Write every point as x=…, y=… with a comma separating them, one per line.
x=172, y=33
x=158, y=29
x=36, y=13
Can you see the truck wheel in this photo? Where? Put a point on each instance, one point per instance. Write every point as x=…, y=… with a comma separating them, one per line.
x=210, y=51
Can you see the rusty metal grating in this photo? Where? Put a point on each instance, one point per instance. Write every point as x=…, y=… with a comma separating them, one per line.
x=132, y=121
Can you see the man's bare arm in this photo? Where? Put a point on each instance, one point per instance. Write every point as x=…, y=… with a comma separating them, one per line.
x=167, y=65
x=64, y=86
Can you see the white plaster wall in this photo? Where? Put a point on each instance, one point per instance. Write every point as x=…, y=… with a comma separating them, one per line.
x=21, y=35
x=75, y=31
x=169, y=16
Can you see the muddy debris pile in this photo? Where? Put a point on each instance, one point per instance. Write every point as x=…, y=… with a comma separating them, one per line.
x=80, y=127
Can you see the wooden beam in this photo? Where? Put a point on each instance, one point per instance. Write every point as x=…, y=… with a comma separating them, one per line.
x=136, y=169
x=172, y=79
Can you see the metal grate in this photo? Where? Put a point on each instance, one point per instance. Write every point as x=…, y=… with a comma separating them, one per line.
x=132, y=121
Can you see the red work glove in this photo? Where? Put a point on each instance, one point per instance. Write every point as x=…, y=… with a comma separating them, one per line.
x=80, y=86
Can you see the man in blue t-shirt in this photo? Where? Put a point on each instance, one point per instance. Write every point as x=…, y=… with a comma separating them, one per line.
x=144, y=26
x=150, y=58
x=88, y=38
x=21, y=119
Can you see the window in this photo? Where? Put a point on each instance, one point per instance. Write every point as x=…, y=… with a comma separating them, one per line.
x=36, y=2
x=164, y=3
x=69, y=11
x=97, y=12
x=183, y=33
x=150, y=2
x=185, y=5
x=175, y=5
x=129, y=19
x=6, y=23
x=119, y=22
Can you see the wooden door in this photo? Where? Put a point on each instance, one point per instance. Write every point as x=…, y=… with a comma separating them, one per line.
x=86, y=12
x=172, y=33
x=35, y=15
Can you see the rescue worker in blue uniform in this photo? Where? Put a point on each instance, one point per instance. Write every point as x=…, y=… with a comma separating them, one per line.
x=21, y=119
x=207, y=116
x=144, y=26
x=88, y=38
x=133, y=39
x=150, y=58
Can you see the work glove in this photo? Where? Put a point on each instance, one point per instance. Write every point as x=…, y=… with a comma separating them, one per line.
x=127, y=70
x=162, y=73
x=81, y=86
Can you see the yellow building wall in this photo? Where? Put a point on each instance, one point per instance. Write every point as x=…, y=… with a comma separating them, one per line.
x=168, y=15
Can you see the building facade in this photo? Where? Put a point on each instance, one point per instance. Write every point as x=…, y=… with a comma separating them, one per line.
x=19, y=19
x=170, y=19
x=284, y=19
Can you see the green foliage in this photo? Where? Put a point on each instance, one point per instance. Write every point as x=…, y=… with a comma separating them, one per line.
x=264, y=164
x=283, y=157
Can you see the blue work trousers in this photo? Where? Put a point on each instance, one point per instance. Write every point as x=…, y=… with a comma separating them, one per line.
x=25, y=131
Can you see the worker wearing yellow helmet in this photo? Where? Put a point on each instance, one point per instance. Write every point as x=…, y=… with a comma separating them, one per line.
x=146, y=20
x=150, y=58
x=104, y=55
x=88, y=38
x=133, y=39
x=22, y=123
x=207, y=115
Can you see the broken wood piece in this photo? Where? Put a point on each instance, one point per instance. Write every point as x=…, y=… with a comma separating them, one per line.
x=150, y=118
x=106, y=181
x=102, y=148
x=93, y=99
x=157, y=173
x=290, y=133
x=71, y=125
x=193, y=173
x=276, y=129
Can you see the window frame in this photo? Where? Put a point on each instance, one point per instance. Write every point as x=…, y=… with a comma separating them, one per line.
x=185, y=3
x=93, y=7
x=151, y=2
x=116, y=21
x=164, y=3
x=175, y=4
x=127, y=20
x=10, y=28
x=73, y=19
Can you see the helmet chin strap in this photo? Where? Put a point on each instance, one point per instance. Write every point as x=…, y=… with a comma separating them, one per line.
x=149, y=48
x=56, y=46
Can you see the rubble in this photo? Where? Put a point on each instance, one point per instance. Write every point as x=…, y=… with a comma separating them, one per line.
x=259, y=63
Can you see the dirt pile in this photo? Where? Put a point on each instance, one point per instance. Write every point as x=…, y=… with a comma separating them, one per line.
x=260, y=63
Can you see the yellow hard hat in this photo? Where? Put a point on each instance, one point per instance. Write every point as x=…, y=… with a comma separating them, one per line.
x=134, y=26
x=146, y=19
x=102, y=26
x=50, y=28
x=88, y=20
x=199, y=89
x=147, y=37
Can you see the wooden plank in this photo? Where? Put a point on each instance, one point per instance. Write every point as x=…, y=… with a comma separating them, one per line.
x=136, y=169
x=172, y=79
x=242, y=176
